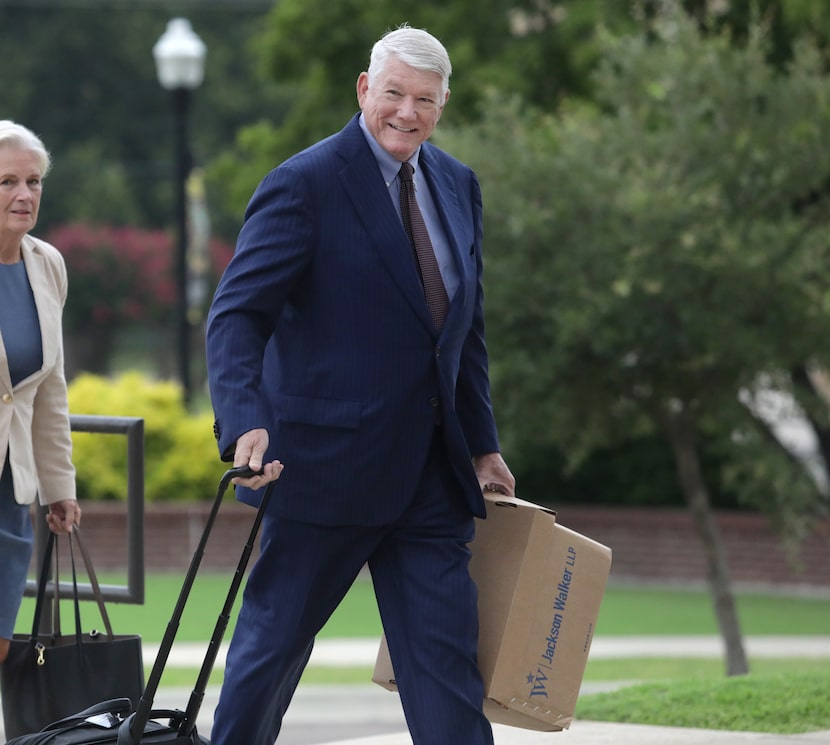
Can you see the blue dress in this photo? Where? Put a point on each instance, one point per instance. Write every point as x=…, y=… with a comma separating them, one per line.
x=20, y=330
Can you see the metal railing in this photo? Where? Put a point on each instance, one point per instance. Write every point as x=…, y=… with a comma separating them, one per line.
x=133, y=429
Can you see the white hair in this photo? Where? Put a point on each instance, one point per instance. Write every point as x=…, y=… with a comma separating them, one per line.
x=414, y=47
x=19, y=137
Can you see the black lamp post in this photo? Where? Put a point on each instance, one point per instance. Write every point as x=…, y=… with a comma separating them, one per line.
x=180, y=66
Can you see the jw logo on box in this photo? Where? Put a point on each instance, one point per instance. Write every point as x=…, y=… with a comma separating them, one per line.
x=538, y=680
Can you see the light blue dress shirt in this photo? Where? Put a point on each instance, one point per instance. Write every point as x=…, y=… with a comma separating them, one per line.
x=389, y=168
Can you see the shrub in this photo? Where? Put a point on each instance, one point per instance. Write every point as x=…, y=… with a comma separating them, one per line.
x=123, y=275
x=123, y=279
x=180, y=457
x=117, y=275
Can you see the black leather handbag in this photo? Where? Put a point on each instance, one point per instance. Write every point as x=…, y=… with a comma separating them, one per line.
x=49, y=676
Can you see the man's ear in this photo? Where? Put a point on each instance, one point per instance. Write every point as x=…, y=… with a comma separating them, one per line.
x=362, y=86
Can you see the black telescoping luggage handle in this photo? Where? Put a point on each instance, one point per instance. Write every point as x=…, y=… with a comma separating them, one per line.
x=133, y=726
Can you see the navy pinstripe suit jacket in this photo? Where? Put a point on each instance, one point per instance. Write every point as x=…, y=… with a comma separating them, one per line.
x=319, y=332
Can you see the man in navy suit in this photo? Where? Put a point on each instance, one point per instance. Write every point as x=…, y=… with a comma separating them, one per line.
x=324, y=358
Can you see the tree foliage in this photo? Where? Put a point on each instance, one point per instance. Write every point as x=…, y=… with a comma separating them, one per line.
x=280, y=75
x=81, y=74
x=661, y=255
x=649, y=253
x=539, y=52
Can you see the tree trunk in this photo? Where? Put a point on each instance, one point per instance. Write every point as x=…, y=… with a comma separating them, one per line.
x=682, y=437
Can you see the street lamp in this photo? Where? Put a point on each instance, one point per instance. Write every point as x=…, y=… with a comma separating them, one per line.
x=180, y=66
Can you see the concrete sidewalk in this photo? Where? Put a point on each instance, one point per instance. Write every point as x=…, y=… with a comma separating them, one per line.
x=362, y=652
x=322, y=710
x=348, y=715
x=326, y=714
x=597, y=733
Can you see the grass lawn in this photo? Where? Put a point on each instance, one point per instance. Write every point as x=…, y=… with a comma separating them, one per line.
x=625, y=611
x=786, y=702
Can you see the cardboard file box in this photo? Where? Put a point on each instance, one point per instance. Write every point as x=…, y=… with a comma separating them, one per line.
x=540, y=586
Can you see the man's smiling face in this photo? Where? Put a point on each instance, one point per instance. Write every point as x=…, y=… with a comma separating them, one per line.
x=401, y=107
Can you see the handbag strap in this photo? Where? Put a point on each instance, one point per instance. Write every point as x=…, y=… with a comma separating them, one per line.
x=56, y=597
x=52, y=547
x=76, y=600
x=41, y=585
x=93, y=579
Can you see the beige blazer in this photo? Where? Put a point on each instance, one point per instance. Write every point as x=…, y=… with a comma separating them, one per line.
x=34, y=414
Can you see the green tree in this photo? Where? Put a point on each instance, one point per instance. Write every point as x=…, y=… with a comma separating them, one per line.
x=540, y=51
x=316, y=49
x=651, y=259
x=82, y=76
x=280, y=75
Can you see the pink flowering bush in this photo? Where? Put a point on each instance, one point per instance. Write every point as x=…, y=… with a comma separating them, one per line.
x=122, y=275
x=123, y=279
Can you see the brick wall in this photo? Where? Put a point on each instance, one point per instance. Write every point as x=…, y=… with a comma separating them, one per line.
x=661, y=545
x=649, y=545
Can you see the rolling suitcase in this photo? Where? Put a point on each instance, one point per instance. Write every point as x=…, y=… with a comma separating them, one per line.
x=114, y=722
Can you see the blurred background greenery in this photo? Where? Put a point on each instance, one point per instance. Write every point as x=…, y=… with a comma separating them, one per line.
x=656, y=180
x=655, y=177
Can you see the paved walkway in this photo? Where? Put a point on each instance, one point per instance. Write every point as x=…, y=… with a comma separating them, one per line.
x=370, y=715
x=355, y=652
x=594, y=733
x=372, y=709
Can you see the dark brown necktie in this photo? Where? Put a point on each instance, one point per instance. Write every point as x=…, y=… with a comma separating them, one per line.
x=413, y=220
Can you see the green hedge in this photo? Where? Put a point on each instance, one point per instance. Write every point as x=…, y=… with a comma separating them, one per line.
x=181, y=461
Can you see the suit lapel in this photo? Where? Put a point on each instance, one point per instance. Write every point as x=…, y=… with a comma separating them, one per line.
x=445, y=196
x=364, y=185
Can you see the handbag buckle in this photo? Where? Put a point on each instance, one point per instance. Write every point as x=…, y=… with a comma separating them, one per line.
x=40, y=649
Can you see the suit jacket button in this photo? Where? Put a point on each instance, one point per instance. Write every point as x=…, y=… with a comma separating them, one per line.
x=7, y=398
x=434, y=402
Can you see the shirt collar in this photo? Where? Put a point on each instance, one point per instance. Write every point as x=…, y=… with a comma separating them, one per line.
x=388, y=165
